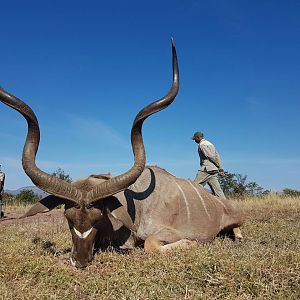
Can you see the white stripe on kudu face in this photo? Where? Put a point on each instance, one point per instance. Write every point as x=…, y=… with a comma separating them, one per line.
x=72, y=261
x=84, y=234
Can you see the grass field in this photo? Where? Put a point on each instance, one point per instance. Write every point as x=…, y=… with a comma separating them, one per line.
x=266, y=265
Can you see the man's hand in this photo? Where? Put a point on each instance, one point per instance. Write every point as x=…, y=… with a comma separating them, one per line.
x=221, y=172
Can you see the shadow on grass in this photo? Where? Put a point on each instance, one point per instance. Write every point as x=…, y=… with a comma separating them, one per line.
x=223, y=234
x=50, y=247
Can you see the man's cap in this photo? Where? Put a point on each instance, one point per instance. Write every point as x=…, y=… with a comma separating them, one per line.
x=197, y=134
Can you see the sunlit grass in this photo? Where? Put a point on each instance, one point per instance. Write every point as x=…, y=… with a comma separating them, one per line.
x=33, y=262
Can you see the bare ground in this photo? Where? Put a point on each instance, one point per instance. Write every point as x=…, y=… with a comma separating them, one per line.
x=13, y=218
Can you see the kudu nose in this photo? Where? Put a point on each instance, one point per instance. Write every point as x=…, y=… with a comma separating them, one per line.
x=77, y=264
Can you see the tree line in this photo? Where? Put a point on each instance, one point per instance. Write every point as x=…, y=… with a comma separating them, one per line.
x=26, y=197
x=237, y=186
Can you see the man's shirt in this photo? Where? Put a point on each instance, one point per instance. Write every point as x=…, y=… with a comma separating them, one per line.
x=209, y=157
x=2, y=176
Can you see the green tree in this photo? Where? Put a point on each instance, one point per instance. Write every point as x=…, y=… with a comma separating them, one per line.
x=8, y=199
x=60, y=173
x=27, y=197
x=227, y=183
x=291, y=192
x=236, y=185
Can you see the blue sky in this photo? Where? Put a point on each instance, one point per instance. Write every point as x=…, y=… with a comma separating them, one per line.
x=87, y=67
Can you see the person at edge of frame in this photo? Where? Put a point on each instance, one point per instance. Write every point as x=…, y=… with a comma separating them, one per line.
x=2, y=179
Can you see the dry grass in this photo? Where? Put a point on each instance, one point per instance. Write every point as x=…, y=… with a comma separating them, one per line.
x=265, y=266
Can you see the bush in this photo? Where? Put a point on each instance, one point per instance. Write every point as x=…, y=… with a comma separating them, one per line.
x=291, y=193
x=25, y=197
x=9, y=199
x=60, y=173
x=236, y=186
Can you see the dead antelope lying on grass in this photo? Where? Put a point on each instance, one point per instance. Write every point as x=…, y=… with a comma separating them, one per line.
x=145, y=205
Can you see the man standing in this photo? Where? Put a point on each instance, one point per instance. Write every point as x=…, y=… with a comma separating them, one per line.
x=210, y=165
x=2, y=179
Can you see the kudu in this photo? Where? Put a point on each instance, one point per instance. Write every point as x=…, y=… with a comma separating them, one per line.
x=144, y=206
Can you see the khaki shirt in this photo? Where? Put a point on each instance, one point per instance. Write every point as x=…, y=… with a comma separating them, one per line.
x=2, y=178
x=209, y=157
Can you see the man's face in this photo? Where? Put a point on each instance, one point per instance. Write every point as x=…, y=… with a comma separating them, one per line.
x=198, y=139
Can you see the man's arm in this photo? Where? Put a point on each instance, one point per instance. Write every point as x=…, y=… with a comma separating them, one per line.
x=211, y=153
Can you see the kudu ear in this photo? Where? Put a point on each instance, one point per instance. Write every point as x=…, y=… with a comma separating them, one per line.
x=120, y=213
x=44, y=205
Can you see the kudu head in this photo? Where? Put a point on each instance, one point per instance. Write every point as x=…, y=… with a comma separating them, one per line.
x=85, y=200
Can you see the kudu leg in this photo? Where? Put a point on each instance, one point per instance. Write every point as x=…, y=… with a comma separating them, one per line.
x=153, y=244
x=160, y=243
x=238, y=234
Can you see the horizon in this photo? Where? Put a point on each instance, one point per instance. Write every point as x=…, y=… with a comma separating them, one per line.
x=87, y=68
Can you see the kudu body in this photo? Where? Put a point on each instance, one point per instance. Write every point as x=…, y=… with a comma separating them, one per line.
x=144, y=206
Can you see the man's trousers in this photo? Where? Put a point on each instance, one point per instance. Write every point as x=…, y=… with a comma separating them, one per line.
x=213, y=182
